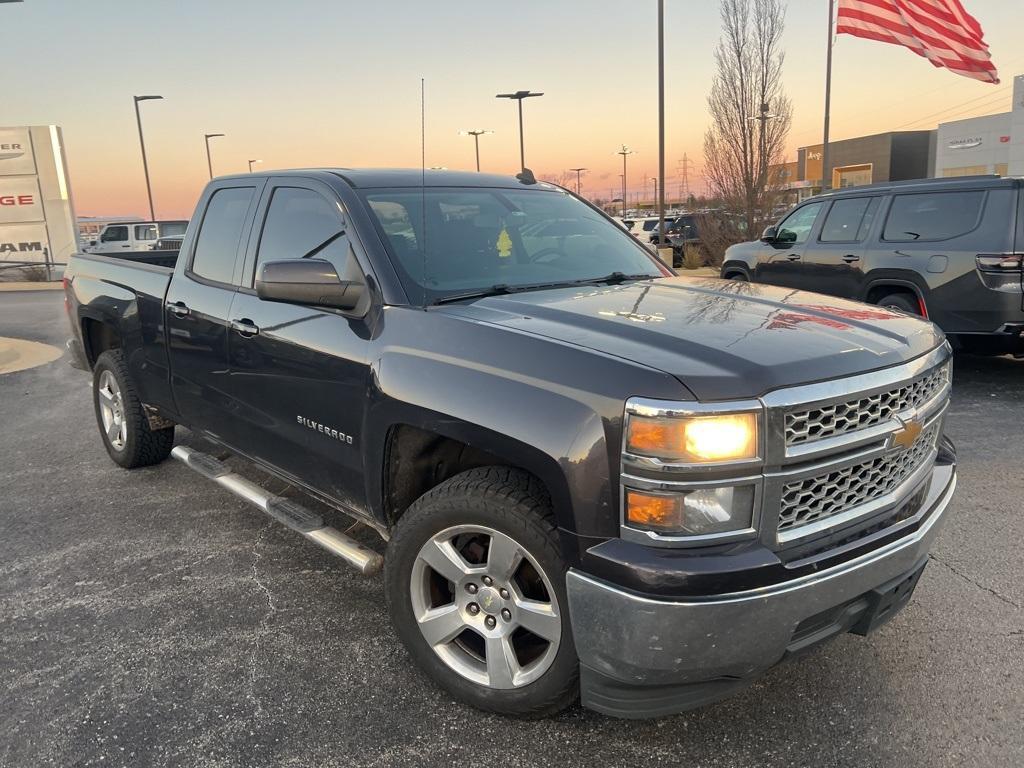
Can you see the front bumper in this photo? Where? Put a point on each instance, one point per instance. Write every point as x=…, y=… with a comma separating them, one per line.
x=646, y=657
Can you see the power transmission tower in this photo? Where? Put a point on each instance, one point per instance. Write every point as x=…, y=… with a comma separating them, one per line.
x=684, y=178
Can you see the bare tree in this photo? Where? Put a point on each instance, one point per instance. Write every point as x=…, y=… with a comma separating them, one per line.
x=750, y=113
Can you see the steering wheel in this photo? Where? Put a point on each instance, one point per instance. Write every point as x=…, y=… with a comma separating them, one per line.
x=541, y=256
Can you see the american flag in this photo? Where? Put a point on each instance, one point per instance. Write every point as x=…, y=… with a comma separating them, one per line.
x=940, y=30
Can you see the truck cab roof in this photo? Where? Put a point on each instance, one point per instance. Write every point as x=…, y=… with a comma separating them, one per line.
x=369, y=178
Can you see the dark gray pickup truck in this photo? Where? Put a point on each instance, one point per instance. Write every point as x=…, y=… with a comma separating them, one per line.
x=595, y=478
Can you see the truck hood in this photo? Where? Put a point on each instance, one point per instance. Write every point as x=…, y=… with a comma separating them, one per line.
x=721, y=339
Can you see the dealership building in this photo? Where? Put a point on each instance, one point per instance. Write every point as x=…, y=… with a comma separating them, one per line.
x=988, y=144
x=993, y=144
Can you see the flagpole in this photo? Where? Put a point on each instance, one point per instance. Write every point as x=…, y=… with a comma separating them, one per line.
x=826, y=183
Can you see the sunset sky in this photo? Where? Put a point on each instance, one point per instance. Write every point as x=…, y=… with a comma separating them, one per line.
x=336, y=83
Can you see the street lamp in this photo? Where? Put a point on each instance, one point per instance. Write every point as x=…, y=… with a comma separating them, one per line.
x=209, y=163
x=519, y=96
x=476, y=140
x=625, y=152
x=578, y=172
x=251, y=162
x=142, y=144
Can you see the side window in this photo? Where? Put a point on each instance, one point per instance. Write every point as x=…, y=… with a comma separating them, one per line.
x=932, y=216
x=114, y=235
x=217, y=244
x=302, y=224
x=849, y=220
x=796, y=228
x=145, y=232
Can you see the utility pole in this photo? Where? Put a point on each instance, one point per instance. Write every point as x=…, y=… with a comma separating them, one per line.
x=519, y=96
x=476, y=140
x=142, y=145
x=661, y=122
x=625, y=152
x=578, y=172
x=209, y=162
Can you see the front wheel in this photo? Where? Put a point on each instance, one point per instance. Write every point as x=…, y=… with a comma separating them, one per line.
x=121, y=418
x=900, y=301
x=475, y=583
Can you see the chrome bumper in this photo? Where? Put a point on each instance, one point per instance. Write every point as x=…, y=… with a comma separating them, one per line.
x=630, y=641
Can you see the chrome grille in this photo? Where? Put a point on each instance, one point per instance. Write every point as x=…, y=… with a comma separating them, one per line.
x=824, y=421
x=839, y=490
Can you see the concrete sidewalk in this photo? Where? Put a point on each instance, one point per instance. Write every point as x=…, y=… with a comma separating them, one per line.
x=30, y=285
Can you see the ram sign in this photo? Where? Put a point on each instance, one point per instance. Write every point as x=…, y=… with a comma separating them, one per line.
x=37, y=220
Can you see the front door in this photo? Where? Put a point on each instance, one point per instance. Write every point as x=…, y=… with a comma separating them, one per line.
x=780, y=262
x=197, y=305
x=300, y=375
x=833, y=260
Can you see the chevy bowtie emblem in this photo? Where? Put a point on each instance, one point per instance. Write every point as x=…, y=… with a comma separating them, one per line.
x=905, y=437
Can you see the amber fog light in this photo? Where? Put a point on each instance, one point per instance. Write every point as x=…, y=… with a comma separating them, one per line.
x=698, y=512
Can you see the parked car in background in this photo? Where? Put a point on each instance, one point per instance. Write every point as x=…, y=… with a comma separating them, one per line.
x=134, y=235
x=947, y=249
x=644, y=229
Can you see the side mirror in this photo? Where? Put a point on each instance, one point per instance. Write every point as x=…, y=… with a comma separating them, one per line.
x=312, y=282
x=769, y=234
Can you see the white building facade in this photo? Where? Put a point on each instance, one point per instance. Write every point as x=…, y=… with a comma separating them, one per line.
x=982, y=145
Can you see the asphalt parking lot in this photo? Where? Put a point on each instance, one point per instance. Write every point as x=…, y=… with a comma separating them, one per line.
x=148, y=618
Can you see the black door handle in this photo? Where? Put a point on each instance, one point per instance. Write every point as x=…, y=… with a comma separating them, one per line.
x=245, y=327
x=793, y=257
x=850, y=257
x=178, y=309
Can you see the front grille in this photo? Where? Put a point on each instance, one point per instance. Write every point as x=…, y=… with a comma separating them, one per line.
x=840, y=418
x=839, y=490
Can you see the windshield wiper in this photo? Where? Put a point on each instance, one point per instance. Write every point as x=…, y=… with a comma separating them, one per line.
x=501, y=289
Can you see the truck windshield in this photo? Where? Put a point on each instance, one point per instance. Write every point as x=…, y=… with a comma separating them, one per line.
x=484, y=240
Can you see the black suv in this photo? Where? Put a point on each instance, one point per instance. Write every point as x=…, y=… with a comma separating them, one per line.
x=947, y=249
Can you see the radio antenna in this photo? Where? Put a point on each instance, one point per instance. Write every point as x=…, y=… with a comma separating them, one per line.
x=423, y=188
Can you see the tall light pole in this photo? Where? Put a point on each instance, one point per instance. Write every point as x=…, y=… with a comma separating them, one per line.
x=625, y=152
x=661, y=122
x=826, y=184
x=578, y=172
x=661, y=213
x=142, y=144
x=251, y=162
x=519, y=96
x=476, y=140
x=209, y=163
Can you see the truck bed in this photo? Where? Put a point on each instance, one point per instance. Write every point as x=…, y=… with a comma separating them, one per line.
x=166, y=259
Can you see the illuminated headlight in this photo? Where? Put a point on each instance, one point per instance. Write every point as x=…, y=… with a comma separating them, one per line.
x=691, y=513
x=693, y=439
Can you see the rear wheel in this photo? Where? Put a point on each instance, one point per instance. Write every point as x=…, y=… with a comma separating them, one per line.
x=121, y=418
x=738, y=276
x=904, y=302
x=475, y=582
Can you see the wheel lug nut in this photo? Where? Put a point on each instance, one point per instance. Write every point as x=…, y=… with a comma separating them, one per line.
x=488, y=580
x=473, y=609
x=504, y=593
x=471, y=588
x=506, y=614
x=490, y=622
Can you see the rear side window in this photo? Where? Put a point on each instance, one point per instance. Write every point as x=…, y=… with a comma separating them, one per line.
x=145, y=232
x=302, y=224
x=849, y=220
x=114, y=235
x=217, y=243
x=933, y=216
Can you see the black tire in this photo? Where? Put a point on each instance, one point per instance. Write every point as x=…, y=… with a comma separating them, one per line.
x=141, y=446
x=517, y=505
x=904, y=302
x=739, y=277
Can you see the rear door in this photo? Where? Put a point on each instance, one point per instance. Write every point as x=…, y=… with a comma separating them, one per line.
x=197, y=305
x=143, y=236
x=833, y=261
x=299, y=374
x=780, y=262
x=114, y=238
